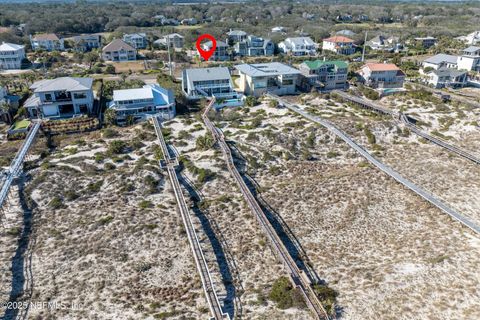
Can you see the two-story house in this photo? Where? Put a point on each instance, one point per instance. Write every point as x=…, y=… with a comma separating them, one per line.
x=60, y=98
x=470, y=59
x=207, y=82
x=446, y=78
x=234, y=36
x=324, y=75
x=119, y=51
x=11, y=55
x=221, y=51
x=275, y=77
x=140, y=103
x=254, y=46
x=299, y=46
x=47, y=41
x=136, y=40
x=87, y=42
x=339, y=45
x=174, y=40
x=382, y=75
x=440, y=61
x=425, y=42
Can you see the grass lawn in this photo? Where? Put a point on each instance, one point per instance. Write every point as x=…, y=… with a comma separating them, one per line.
x=22, y=124
x=127, y=66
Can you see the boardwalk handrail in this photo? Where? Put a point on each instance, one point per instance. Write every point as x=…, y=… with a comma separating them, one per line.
x=412, y=127
x=16, y=164
x=297, y=276
x=389, y=171
x=438, y=141
x=200, y=261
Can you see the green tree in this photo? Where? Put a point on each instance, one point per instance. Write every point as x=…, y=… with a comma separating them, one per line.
x=110, y=117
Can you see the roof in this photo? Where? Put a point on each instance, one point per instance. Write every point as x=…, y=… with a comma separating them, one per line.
x=87, y=37
x=206, y=74
x=117, y=45
x=236, y=33
x=63, y=83
x=448, y=72
x=319, y=63
x=172, y=35
x=381, y=67
x=471, y=49
x=141, y=35
x=346, y=32
x=301, y=40
x=159, y=95
x=219, y=44
x=266, y=69
x=338, y=39
x=45, y=36
x=442, y=58
x=5, y=46
x=425, y=38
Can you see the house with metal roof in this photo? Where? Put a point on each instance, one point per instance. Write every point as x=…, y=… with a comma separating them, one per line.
x=339, y=45
x=470, y=59
x=11, y=55
x=447, y=78
x=254, y=46
x=174, y=40
x=382, y=75
x=275, y=77
x=207, y=82
x=440, y=61
x=221, y=50
x=299, y=46
x=325, y=75
x=47, y=41
x=87, y=42
x=141, y=103
x=118, y=51
x=234, y=36
x=60, y=98
x=136, y=40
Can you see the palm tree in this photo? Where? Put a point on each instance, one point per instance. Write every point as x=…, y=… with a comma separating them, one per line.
x=110, y=117
x=5, y=109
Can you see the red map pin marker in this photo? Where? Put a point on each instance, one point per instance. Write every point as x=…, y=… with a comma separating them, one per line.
x=206, y=54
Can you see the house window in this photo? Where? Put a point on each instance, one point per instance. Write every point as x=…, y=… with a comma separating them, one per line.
x=80, y=95
x=48, y=97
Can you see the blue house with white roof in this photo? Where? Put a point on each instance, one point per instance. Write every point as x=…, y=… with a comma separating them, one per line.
x=142, y=103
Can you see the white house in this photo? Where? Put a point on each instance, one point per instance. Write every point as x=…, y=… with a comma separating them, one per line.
x=234, y=36
x=175, y=40
x=425, y=42
x=472, y=38
x=47, y=41
x=300, y=46
x=11, y=55
x=382, y=75
x=278, y=30
x=440, y=60
x=60, y=98
x=141, y=103
x=339, y=45
x=118, y=51
x=470, y=59
x=274, y=77
x=206, y=82
x=136, y=40
x=444, y=77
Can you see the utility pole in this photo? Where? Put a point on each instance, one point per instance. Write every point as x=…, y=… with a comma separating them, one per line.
x=169, y=58
x=364, y=44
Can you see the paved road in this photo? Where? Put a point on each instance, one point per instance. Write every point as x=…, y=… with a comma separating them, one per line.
x=392, y=173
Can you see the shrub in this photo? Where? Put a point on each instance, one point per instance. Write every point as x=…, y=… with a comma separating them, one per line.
x=56, y=203
x=145, y=204
x=284, y=295
x=116, y=147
